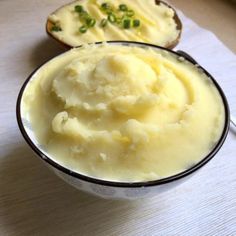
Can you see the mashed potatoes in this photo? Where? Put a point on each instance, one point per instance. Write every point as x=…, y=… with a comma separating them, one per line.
x=157, y=23
x=124, y=113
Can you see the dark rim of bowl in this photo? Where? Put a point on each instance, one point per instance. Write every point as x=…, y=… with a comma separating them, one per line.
x=128, y=184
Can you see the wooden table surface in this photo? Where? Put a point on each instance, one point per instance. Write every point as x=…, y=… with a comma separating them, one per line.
x=35, y=202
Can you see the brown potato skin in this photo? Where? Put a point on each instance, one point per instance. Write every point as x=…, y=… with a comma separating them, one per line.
x=178, y=23
x=158, y=2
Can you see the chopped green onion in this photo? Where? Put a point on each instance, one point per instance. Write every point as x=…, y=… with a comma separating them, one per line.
x=126, y=23
x=103, y=22
x=83, y=29
x=112, y=18
x=90, y=22
x=79, y=8
x=124, y=20
x=123, y=7
x=105, y=6
x=84, y=15
x=56, y=28
x=136, y=23
x=118, y=20
x=130, y=13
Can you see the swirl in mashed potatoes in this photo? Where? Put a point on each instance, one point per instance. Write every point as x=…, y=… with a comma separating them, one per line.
x=124, y=113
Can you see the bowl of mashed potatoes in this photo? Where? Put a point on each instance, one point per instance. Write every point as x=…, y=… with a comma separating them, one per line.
x=123, y=119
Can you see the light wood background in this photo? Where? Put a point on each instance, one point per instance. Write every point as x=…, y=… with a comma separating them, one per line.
x=35, y=202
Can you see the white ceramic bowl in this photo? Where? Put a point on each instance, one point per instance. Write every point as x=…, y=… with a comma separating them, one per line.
x=110, y=189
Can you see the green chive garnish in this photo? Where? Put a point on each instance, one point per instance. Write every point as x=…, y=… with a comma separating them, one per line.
x=79, y=8
x=124, y=20
x=103, y=22
x=84, y=15
x=105, y=6
x=90, y=22
x=118, y=20
x=112, y=18
x=136, y=23
x=56, y=28
x=83, y=29
x=130, y=13
x=126, y=23
x=123, y=7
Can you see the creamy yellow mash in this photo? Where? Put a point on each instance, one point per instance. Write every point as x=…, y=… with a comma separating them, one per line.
x=124, y=113
x=157, y=23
